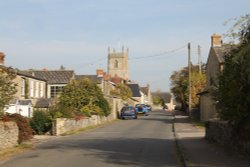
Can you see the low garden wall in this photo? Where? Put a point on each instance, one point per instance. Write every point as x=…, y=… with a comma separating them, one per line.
x=64, y=125
x=8, y=134
x=227, y=135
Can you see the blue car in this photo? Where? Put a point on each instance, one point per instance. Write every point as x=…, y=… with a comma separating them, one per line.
x=141, y=109
x=128, y=112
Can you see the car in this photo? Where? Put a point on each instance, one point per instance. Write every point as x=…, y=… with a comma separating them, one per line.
x=128, y=112
x=149, y=107
x=141, y=109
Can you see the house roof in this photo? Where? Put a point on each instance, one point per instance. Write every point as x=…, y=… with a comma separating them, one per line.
x=135, y=89
x=24, y=102
x=26, y=74
x=144, y=90
x=43, y=103
x=54, y=77
x=93, y=78
x=221, y=51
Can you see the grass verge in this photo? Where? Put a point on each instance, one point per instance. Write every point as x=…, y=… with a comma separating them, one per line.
x=14, y=150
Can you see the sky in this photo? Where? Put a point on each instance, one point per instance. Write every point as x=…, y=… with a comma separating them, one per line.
x=38, y=34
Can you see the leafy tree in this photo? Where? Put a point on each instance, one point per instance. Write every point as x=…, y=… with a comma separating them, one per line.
x=81, y=93
x=233, y=93
x=122, y=91
x=7, y=86
x=180, y=89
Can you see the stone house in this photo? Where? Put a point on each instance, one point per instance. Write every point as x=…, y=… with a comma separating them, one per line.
x=56, y=79
x=214, y=66
x=146, y=93
x=136, y=93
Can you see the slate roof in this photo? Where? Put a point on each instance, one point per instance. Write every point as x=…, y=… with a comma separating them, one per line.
x=93, y=78
x=135, y=89
x=24, y=102
x=43, y=103
x=54, y=77
x=221, y=51
x=26, y=74
x=144, y=90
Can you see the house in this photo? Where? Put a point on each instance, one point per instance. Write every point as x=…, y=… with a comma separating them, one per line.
x=56, y=79
x=29, y=89
x=214, y=66
x=136, y=93
x=22, y=107
x=146, y=93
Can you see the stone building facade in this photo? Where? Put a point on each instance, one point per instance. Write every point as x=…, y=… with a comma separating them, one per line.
x=118, y=64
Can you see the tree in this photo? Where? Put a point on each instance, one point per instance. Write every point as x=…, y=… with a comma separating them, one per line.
x=179, y=85
x=81, y=94
x=7, y=86
x=122, y=91
x=233, y=92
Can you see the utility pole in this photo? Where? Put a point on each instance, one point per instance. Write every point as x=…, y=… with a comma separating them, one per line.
x=199, y=58
x=189, y=77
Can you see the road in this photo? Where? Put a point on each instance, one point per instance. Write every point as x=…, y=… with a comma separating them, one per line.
x=147, y=141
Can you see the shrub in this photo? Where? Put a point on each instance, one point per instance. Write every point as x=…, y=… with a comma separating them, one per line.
x=25, y=131
x=41, y=122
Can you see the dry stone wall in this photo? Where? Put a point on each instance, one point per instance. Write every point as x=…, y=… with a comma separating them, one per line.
x=8, y=134
x=64, y=125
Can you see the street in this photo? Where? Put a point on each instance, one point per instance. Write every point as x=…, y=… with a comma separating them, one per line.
x=147, y=141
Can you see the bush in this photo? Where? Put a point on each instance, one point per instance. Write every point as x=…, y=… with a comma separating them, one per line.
x=41, y=122
x=24, y=130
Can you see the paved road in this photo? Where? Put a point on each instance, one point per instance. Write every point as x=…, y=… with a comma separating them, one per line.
x=147, y=141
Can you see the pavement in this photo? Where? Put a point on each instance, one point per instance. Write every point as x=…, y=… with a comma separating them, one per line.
x=196, y=151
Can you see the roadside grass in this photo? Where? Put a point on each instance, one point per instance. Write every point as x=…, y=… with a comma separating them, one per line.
x=197, y=123
x=5, y=153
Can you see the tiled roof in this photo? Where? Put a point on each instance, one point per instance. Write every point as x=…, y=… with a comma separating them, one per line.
x=135, y=90
x=93, y=78
x=27, y=74
x=54, y=77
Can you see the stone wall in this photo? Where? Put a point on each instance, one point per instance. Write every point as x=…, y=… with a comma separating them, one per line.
x=227, y=135
x=8, y=134
x=64, y=125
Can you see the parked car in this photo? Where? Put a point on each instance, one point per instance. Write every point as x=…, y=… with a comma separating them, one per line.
x=128, y=112
x=141, y=109
x=149, y=107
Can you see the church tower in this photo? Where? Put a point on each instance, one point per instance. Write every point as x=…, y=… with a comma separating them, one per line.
x=118, y=63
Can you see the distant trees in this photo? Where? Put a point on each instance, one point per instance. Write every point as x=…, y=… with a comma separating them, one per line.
x=233, y=92
x=180, y=89
x=7, y=86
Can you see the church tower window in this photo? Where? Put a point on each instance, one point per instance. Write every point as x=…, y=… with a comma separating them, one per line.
x=116, y=64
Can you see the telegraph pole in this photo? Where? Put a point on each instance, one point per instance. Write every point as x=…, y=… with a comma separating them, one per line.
x=199, y=58
x=189, y=77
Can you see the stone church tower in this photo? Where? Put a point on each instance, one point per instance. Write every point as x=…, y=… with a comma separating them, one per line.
x=118, y=63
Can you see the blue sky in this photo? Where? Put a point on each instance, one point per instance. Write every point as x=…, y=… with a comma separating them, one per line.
x=77, y=33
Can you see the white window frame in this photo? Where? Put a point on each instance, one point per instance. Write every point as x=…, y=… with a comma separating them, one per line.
x=31, y=88
x=23, y=87
x=41, y=89
x=37, y=89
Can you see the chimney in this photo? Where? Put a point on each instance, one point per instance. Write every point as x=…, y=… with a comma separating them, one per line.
x=216, y=40
x=2, y=56
x=99, y=72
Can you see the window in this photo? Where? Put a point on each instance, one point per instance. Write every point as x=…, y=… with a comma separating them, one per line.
x=116, y=64
x=37, y=89
x=55, y=90
x=23, y=87
x=41, y=89
x=31, y=88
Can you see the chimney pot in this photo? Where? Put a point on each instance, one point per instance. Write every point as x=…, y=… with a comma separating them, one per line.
x=216, y=40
